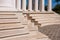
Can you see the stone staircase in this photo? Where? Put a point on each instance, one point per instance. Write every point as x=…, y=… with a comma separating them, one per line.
x=15, y=26
x=45, y=23
x=11, y=28
x=20, y=26
x=44, y=19
x=19, y=21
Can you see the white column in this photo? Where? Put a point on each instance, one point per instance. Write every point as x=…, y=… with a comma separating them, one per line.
x=24, y=5
x=49, y=5
x=30, y=5
x=19, y=5
x=36, y=5
x=42, y=5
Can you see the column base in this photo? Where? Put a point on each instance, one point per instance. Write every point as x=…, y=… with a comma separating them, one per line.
x=30, y=10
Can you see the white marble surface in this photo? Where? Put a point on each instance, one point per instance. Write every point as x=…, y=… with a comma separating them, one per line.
x=6, y=3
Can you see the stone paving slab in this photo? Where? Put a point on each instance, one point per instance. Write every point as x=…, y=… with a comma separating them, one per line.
x=52, y=31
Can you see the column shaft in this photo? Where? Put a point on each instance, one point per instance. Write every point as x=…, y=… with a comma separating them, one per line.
x=36, y=5
x=19, y=4
x=24, y=5
x=49, y=5
x=30, y=5
x=42, y=5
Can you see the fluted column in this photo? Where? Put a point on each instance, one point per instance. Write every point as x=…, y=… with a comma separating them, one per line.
x=19, y=5
x=30, y=5
x=24, y=5
x=49, y=5
x=42, y=5
x=36, y=5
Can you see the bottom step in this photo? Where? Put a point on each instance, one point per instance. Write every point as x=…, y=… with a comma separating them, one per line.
x=46, y=24
x=19, y=37
x=12, y=32
x=24, y=38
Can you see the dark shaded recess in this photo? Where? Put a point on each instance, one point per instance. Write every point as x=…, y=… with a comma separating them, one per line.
x=57, y=8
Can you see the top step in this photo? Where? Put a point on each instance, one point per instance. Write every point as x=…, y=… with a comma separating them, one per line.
x=44, y=15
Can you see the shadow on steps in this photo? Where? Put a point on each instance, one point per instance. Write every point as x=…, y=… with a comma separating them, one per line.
x=52, y=31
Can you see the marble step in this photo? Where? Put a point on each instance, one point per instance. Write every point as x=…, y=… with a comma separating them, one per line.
x=46, y=19
x=7, y=13
x=6, y=26
x=12, y=25
x=41, y=39
x=24, y=38
x=43, y=22
x=8, y=20
x=8, y=16
x=19, y=37
x=28, y=37
x=44, y=39
x=45, y=15
x=12, y=32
